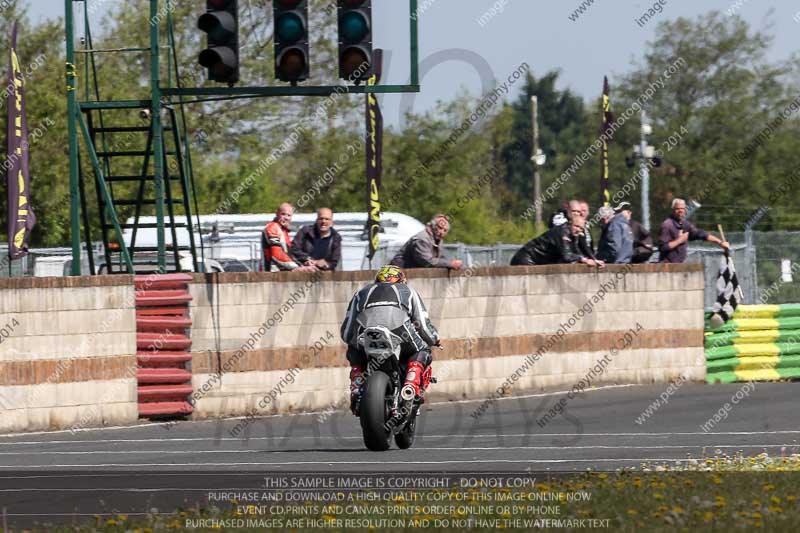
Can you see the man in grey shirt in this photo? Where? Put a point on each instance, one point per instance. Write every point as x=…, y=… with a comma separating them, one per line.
x=423, y=250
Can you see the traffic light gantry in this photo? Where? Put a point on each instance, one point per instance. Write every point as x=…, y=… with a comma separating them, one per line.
x=355, y=39
x=291, y=40
x=221, y=23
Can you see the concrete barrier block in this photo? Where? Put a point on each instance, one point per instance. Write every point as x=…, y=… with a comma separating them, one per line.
x=66, y=346
x=119, y=413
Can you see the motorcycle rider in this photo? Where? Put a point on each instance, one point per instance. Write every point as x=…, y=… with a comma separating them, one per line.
x=391, y=303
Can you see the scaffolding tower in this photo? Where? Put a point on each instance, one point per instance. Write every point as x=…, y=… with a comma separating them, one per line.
x=155, y=177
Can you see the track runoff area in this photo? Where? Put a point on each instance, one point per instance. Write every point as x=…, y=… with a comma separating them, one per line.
x=279, y=467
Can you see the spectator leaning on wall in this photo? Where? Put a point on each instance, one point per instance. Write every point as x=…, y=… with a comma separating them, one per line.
x=642, y=243
x=319, y=245
x=676, y=231
x=556, y=245
x=584, y=207
x=616, y=244
x=275, y=242
x=424, y=250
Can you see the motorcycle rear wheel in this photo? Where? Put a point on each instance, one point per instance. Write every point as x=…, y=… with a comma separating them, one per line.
x=374, y=412
x=405, y=438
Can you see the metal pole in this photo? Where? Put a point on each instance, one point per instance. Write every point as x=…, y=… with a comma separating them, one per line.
x=72, y=134
x=414, y=51
x=645, y=171
x=537, y=180
x=158, y=146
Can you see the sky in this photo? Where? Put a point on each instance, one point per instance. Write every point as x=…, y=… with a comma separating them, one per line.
x=467, y=44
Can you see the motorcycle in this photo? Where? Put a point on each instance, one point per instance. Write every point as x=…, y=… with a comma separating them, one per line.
x=388, y=408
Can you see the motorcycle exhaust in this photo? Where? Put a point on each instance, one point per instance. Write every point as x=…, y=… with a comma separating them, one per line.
x=408, y=393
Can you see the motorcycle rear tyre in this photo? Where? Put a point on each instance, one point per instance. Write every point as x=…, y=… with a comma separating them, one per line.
x=405, y=438
x=374, y=412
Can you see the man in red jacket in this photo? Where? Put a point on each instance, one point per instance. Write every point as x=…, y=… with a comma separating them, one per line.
x=276, y=242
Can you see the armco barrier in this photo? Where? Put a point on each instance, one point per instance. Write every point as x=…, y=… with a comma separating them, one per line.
x=269, y=343
x=760, y=343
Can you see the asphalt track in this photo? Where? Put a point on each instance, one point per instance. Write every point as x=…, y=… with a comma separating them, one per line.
x=48, y=475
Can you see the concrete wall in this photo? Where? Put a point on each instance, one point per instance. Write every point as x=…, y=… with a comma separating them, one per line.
x=68, y=352
x=268, y=343
x=510, y=328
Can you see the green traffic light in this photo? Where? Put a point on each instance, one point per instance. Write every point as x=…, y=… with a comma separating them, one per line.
x=354, y=27
x=290, y=27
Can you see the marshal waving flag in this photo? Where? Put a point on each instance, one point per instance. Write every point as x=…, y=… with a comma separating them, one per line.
x=374, y=161
x=20, y=215
x=605, y=136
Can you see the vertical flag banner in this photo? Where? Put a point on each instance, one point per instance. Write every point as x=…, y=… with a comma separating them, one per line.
x=374, y=161
x=20, y=215
x=605, y=136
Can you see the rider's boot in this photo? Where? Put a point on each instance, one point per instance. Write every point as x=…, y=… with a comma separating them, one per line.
x=427, y=375
x=411, y=388
x=356, y=387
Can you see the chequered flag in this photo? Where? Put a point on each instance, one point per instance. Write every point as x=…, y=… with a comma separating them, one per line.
x=729, y=293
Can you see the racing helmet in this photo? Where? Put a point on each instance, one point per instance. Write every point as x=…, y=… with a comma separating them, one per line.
x=390, y=274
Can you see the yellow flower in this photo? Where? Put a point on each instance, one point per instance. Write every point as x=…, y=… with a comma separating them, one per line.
x=688, y=483
x=122, y=517
x=775, y=509
x=775, y=500
x=663, y=508
x=658, y=496
x=716, y=480
x=328, y=518
x=768, y=487
x=111, y=522
x=756, y=515
x=632, y=512
x=756, y=503
x=677, y=509
x=708, y=516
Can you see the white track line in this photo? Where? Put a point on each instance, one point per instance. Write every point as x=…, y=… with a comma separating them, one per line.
x=472, y=448
x=350, y=463
x=218, y=420
x=419, y=436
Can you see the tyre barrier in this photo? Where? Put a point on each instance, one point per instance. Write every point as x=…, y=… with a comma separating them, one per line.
x=162, y=342
x=760, y=343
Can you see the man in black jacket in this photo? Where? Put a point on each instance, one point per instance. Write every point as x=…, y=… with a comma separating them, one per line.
x=642, y=243
x=319, y=245
x=557, y=245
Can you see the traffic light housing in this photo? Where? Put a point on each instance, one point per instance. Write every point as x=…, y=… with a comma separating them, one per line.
x=355, y=39
x=221, y=57
x=291, y=40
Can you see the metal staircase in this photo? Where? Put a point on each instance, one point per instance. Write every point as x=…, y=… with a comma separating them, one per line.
x=139, y=161
x=136, y=192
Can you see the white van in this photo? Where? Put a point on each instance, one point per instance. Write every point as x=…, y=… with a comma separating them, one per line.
x=235, y=240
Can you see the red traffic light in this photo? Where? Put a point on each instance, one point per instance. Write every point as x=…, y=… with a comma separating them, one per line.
x=292, y=65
